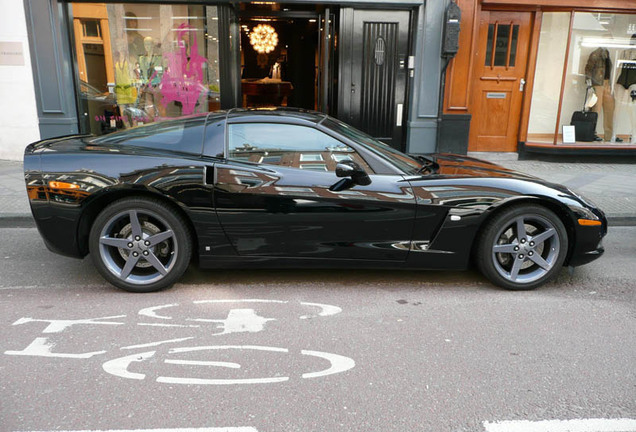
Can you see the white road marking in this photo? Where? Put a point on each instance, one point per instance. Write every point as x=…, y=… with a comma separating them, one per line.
x=338, y=363
x=205, y=429
x=153, y=344
x=168, y=325
x=40, y=347
x=326, y=310
x=57, y=326
x=150, y=312
x=227, y=347
x=577, y=425
x=21, y=287
x=239, y=321
x=119, y=366
x=241, y=301
x=52, y=287
x=207, y=381
x=204, y=363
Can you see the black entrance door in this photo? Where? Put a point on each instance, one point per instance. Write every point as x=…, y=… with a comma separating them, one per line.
x=373, y=72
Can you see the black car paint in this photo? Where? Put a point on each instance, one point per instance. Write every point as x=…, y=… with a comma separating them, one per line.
x=399, y=220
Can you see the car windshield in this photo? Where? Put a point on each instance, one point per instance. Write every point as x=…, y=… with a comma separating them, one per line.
x=405, y=163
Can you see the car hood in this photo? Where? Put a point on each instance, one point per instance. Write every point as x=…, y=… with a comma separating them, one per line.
x=452, y=165
x=476, y=171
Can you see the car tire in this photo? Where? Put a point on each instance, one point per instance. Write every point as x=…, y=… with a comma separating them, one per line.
x=522, y=247
x=140, y=245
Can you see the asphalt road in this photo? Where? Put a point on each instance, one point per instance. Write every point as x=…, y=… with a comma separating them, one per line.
x=314, y=350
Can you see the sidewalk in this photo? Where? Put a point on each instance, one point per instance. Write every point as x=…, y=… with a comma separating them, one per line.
x=612, y=186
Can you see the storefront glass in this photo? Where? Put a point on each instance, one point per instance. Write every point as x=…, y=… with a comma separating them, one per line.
x=141, y=63
x=600, y=78
x=555, y=27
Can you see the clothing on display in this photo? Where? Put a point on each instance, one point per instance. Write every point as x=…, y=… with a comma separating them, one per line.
x=598, y=70
x=627, y=61
x=124, y=90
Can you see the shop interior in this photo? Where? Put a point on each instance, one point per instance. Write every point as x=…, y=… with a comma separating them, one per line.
x=140, y=63
x=283, y=53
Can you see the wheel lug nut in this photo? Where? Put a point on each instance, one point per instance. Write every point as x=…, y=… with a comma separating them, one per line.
x=145, y=253
x=532, y=244
x=523, y=241
x=130, y=245
x=520, y=256
x=516, y=248
x=530, y=253
x=135, y=254
x=147, y=243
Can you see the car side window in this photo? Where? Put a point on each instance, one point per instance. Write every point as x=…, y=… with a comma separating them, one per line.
x=182, y=135
x=289, y=145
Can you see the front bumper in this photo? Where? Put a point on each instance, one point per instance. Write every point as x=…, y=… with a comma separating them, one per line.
x=588, y=243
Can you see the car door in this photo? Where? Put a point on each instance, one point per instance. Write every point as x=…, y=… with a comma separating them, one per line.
x=273, y=197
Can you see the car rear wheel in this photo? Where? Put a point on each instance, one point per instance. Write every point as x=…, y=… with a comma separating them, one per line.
x=522, y=247
x=139, y=245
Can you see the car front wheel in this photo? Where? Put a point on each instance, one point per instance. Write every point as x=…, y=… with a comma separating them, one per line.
x=139, y=245
x=522, y=247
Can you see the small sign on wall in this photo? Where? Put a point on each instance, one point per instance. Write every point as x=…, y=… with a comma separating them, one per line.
x=11, y=54
x=569, y=136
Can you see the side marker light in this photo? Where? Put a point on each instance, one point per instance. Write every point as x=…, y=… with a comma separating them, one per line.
x=63, y=185
x=590, y=222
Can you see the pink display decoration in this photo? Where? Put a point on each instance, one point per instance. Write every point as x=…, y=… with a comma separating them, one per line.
x=183, y=79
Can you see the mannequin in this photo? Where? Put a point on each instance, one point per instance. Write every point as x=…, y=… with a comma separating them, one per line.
x=135, y=40
x=626, y=88
x=598, y=71
x=150, y=62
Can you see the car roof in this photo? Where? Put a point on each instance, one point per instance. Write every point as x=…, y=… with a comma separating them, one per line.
x=278, y=112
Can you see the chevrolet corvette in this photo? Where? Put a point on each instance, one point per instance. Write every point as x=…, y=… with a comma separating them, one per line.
x=293, y=188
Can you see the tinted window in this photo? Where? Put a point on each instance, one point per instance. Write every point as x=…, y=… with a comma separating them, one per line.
x=400, y=160
x=183, y=135
x=288, y=145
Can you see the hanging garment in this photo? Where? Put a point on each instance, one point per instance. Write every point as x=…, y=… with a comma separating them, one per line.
x=627, y=76
x=124, y=90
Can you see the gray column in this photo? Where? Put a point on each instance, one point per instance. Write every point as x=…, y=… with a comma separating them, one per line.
x=425, y=85
x=52, y=62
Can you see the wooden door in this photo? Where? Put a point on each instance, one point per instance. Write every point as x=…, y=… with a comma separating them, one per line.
x=499, y=80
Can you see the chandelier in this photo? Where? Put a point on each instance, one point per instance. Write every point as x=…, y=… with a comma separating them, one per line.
x=264, y=38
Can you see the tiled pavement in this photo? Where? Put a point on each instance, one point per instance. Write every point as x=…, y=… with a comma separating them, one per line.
x=612, y=186
x=13, y=198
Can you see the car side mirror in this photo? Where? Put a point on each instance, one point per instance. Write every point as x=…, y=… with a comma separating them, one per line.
x=354, y=171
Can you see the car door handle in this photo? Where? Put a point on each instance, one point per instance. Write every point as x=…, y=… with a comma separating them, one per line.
x=209, y=175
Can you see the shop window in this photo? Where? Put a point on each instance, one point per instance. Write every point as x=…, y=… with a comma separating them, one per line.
x=143, y=63
x=555, y=27
x=602, y=62
x=600, y=77
x=502, y=40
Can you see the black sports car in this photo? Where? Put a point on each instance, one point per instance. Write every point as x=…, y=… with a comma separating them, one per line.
x=293, y=188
